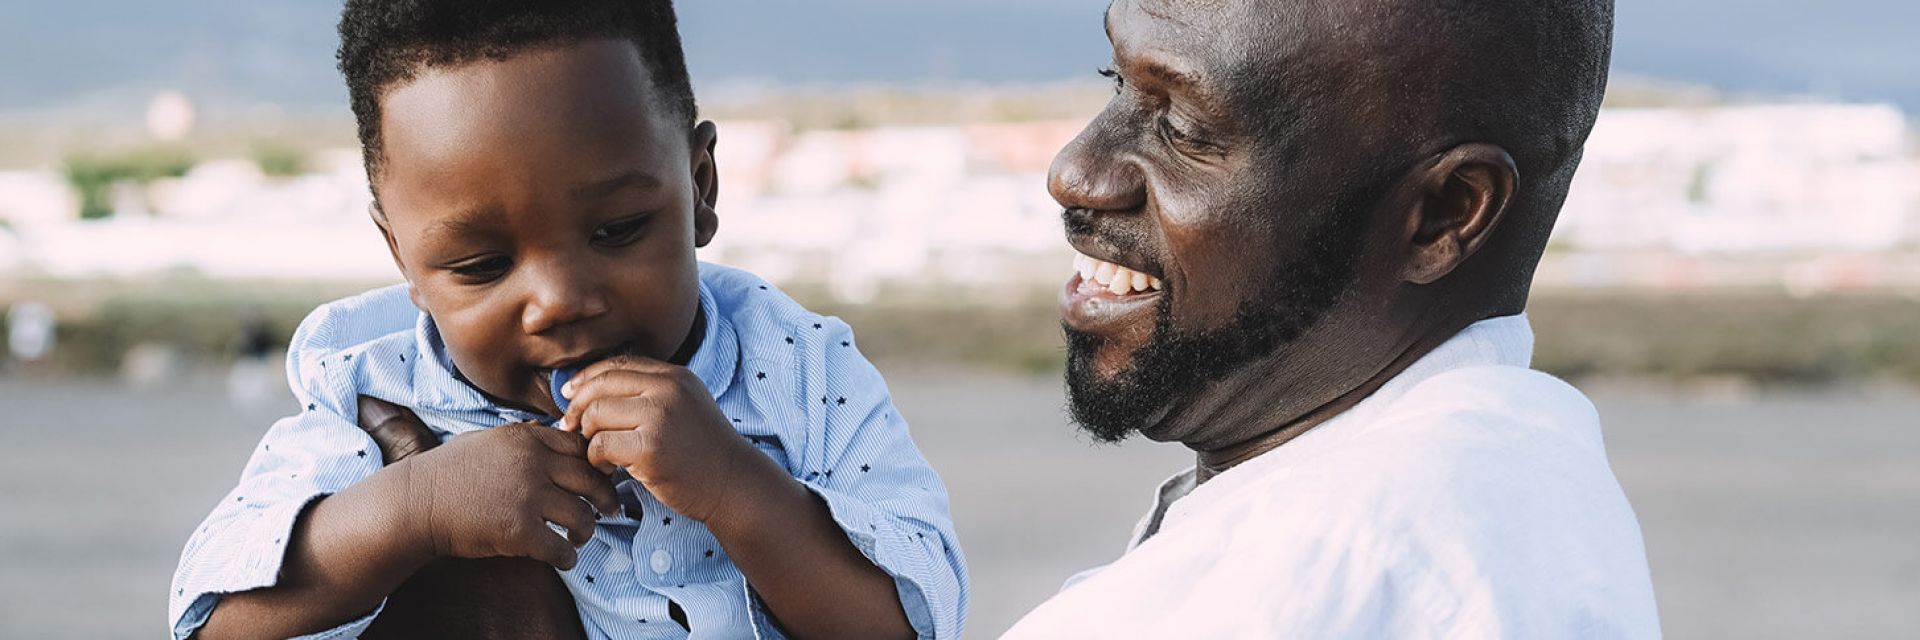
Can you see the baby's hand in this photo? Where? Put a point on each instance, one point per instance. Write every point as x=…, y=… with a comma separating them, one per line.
x=658, y=422
x=491, y=494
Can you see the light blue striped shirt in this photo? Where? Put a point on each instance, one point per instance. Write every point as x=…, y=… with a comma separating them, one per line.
x=791, y=380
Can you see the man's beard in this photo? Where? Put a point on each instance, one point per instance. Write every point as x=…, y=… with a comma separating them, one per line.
x=1176, y=365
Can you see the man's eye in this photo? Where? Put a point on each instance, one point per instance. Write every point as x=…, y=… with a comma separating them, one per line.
x=621, y=233
x=482, y=269
x=1187, y=142
x=1119, y=82
x=1173, y=133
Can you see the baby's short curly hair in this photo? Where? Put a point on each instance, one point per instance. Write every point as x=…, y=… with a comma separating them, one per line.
x=386, y=42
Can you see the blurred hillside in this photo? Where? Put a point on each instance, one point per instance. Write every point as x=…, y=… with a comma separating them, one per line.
x=95, y=60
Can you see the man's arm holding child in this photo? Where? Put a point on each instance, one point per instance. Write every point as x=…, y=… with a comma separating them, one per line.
x=350, y=550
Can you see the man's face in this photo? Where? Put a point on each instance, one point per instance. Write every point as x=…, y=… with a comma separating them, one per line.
x=545, y=209
x=1227, y=186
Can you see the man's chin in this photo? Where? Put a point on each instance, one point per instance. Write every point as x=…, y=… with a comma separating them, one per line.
x=1110, y=406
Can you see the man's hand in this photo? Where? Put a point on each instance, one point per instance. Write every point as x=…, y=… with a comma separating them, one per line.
x=658, y=422
x=496, y=598
x=399, y=433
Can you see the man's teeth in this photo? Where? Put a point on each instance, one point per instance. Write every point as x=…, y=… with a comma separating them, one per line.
x=1116, y=279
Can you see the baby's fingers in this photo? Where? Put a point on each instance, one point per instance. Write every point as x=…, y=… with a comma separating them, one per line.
x=568, y=511
x=578, y=478
x=612, y=450
x=620, y=413
x=540, y=542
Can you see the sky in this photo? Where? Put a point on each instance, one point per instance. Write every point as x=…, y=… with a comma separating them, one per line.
x=97, y=56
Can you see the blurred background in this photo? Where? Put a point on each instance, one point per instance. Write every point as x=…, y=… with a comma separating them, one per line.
x=1735, y=280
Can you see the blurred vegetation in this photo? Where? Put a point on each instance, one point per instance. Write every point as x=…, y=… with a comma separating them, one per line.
x=279, y=160
x=197, y=319
x=1765, y=337
x=94, y=174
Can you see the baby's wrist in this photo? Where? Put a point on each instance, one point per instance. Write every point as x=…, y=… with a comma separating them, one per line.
x=759, y=489
x=407, y=534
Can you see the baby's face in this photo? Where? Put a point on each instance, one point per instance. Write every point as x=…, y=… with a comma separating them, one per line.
x=545, y=209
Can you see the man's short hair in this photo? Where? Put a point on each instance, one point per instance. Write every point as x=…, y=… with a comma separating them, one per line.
x=386, y=42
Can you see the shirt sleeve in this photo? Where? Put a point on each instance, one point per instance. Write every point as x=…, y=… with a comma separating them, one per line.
x=862, y=462
x=242, y=543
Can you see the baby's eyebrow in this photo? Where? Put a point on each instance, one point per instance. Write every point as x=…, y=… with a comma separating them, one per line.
x=630, y=179
x=462, y=224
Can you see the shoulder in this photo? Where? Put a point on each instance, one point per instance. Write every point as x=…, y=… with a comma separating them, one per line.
x=357, y=319
x=763, y=315
x=1471, y=417
x=321, y=354
x=1485, y=491
x=1476, y=445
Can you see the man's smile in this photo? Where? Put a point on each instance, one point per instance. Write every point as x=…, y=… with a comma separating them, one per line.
x=1104, y=298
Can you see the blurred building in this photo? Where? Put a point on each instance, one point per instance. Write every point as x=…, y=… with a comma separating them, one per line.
x=1796, y=178
x=1809, y=195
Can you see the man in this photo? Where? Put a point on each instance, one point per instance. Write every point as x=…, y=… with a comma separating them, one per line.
x=1308, y=230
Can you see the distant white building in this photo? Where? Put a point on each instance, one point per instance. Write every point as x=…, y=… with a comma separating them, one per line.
x=36, y=197
x=1745, y=179
x=968, y=205
x=855, y=209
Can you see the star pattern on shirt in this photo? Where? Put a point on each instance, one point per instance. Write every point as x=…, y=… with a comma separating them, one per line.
x=360, y=454
x=866, y=468
x=667, y=521
x=759, y=375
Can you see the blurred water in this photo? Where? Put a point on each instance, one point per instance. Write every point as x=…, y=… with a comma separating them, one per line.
x=1777, y=516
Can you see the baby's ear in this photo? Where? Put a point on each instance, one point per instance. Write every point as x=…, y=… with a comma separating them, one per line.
x=706, y=182
x=393, y=249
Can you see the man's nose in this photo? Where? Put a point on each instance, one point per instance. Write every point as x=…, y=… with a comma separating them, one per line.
x=1095, y=173
x=561, y=293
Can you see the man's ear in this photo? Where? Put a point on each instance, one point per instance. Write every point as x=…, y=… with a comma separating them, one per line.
x=706, y=182
x=393, y=249
x=1462, y=195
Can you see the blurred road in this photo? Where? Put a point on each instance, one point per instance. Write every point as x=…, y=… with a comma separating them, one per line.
x=1780, y=516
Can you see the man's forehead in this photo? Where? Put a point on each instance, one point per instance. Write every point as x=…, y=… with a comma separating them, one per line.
x=1217, y=33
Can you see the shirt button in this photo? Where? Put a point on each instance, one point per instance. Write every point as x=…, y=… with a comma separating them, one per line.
x=662, y=562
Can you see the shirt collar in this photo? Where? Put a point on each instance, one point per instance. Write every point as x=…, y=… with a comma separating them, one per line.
x=1502, y=341
x=437, y=385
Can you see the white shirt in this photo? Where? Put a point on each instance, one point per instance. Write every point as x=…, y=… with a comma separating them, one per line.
x=1470, y=497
